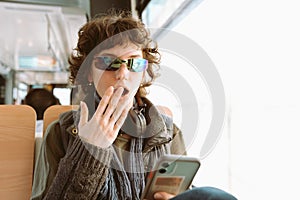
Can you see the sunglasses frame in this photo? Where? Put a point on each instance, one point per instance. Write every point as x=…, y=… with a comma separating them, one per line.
x=113, y=64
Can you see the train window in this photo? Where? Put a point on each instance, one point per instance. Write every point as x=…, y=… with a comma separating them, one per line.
x=37, y=63
x=158, y=12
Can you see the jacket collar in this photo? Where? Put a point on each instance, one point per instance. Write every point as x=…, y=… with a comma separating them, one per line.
x=159, y=128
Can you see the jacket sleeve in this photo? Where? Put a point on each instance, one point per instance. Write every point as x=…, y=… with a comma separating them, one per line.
x=79, y=171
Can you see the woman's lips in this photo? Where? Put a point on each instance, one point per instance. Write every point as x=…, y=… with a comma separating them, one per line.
x=124, y=92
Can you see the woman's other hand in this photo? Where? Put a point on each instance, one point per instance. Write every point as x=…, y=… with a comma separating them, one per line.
x=163, y=196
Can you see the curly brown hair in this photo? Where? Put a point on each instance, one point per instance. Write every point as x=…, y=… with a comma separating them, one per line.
x=97, y=34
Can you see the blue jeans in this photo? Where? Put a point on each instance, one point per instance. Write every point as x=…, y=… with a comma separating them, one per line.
x=204, y=193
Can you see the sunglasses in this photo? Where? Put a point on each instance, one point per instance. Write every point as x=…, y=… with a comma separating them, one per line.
x=113, y=64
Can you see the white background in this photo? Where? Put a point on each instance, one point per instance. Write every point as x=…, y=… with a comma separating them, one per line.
x=255, y=46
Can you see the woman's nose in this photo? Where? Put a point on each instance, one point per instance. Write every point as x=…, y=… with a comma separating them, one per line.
x=122, y=72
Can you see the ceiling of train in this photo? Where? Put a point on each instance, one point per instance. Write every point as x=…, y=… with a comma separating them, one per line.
x=38, y=36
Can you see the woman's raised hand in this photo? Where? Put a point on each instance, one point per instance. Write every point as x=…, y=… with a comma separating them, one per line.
x=103, y=127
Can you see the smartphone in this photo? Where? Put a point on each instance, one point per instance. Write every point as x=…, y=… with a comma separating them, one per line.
x=172, y=173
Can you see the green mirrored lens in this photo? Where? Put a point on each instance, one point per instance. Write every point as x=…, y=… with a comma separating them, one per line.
x=139, y=64
x=110, y=64
x=103, y=62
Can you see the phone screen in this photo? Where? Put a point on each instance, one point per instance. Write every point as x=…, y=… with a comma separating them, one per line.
x=172, y=174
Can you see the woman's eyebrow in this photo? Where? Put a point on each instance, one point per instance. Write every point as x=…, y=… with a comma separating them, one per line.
x=135, y=56
x=108, y=54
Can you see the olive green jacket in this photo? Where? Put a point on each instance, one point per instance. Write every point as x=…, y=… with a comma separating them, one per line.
x=69, y=168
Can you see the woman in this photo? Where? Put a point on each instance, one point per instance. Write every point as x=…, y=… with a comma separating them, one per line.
x=104, y=150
